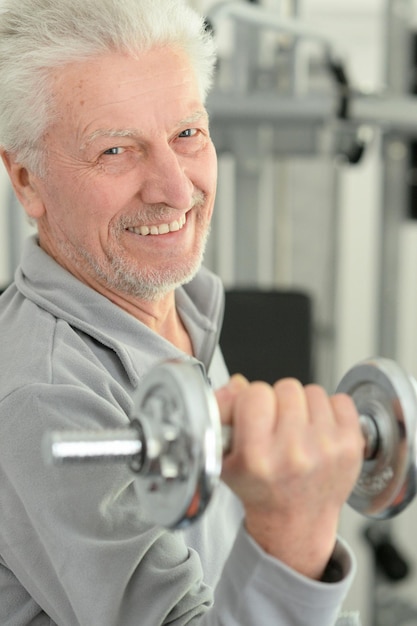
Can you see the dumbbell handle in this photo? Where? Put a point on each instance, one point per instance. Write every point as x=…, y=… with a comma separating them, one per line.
x=112, y=445
x=84, y=445
x=124, y=445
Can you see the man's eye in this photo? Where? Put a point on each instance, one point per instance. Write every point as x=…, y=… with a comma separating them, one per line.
x=116, y=150
x=189, y=132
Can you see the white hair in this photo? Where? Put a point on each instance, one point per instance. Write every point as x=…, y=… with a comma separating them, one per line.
x=38, y=36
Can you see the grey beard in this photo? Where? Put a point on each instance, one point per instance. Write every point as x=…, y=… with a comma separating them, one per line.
x=147, y=284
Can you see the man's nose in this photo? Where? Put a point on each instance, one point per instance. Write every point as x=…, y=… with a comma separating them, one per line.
x=166, y=180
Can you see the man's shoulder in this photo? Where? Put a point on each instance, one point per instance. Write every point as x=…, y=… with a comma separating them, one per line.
x=36, y=346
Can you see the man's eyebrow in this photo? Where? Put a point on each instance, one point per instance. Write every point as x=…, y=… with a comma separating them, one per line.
x=135, y=133
x=109, y=132
x=194, y=117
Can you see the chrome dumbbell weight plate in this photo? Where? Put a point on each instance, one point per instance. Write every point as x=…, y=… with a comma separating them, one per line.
x=179, y=417
x=174, y=445
x=386, y=398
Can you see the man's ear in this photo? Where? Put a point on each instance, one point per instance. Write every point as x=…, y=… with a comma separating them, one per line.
x=24, y=184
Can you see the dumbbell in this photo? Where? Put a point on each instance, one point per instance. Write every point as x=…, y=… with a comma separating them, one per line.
x=175, y=443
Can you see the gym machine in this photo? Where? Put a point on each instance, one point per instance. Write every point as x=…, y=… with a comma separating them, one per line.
x=175, y=443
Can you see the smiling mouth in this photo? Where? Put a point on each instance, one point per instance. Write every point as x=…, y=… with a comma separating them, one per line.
x=159, y=229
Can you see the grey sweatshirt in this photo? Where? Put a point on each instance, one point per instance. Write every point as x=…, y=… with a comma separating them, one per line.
x=74, y=548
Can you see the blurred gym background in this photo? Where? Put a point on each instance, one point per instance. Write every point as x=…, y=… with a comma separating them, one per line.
x=314, y=116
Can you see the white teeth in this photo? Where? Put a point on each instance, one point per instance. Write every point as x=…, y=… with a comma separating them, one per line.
x=162, y=229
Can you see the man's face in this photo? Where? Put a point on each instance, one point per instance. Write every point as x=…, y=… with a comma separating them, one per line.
x=129, y=191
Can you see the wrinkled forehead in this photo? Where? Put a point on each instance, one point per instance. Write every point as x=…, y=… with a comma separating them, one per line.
x=118, y=90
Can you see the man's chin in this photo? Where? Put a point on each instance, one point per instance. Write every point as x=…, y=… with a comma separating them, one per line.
x=152, y=286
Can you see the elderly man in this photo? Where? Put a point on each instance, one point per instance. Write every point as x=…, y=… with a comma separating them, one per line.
x=105, y=137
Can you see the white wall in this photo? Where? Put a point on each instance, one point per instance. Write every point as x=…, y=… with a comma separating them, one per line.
x=4, y=258
x=14, y=228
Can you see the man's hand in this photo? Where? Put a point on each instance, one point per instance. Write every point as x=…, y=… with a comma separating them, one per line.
x=295, y=457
